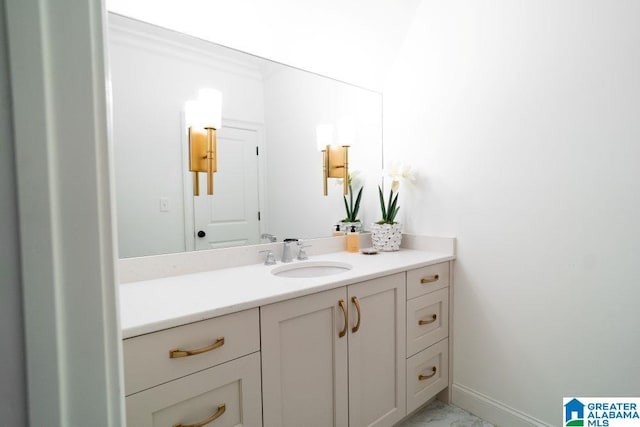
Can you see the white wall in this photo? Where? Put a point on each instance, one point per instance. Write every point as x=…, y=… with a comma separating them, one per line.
x=523, y=119
x=12, y=370
x=354, y=41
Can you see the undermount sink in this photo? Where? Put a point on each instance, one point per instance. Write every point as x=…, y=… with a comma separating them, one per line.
x=311, y=269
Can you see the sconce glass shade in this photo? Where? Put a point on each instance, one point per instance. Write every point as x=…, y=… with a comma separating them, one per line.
x=206, y=111
x=324, y=136
x=192, y=113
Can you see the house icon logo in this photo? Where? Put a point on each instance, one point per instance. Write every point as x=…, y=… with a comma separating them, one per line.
x=574, y=413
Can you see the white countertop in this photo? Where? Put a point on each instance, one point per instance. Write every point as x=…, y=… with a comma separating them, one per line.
x=152, y=305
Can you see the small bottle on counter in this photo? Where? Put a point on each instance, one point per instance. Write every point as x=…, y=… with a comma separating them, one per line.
x=353, y=240
x=337, y=231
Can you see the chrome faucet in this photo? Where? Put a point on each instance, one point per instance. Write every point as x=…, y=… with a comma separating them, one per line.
x=270, y=259
x=302, y=254
x=287, y=250
x=270, y=237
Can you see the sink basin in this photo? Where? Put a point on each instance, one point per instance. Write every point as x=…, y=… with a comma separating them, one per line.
x=311, y=269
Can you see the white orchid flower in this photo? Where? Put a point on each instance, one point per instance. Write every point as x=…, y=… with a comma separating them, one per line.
x=399, y=172
x=355, y=179
x=408, y=173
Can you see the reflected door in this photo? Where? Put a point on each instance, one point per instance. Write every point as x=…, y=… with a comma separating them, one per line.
x=230, y=216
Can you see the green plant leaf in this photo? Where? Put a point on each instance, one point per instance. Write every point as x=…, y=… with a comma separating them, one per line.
x=392, y=208
x=350, y=199
x=346, y=207
x=393, y=217
x=382, y=207
x=389, y=210
x=356, y=208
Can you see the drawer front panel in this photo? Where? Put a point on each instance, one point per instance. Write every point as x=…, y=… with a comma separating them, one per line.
x=227, y=394
x=427, y=320
x=427, y=374
x=147, y=358
x=427, y=279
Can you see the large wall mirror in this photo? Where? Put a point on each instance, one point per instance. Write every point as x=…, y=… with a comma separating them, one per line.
x=270, y=170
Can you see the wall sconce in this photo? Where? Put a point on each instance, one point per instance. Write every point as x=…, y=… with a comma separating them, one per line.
x=335, y=158
x=203, y=118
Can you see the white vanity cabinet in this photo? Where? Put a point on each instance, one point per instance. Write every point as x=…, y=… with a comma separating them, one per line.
x=204, y=373
x=366, y=349
x=336, y=358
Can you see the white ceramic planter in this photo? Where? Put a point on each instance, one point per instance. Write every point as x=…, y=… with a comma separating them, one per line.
x=386, y=237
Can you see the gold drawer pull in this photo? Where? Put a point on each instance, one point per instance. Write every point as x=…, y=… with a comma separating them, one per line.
x=431, y=279
x=173, y=354
x=426, y=377
x=426, y=322
x=357, y=304
x=220, y=411
x=343, y=306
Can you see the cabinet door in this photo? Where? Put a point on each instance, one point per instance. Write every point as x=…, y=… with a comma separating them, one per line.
x=377, y=392
x=227, y=394
x=304, y=361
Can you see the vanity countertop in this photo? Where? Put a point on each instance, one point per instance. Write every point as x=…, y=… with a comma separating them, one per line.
x=152, y=305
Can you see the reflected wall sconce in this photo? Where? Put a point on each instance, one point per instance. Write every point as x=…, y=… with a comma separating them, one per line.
x=335, y=157
x=203, y=118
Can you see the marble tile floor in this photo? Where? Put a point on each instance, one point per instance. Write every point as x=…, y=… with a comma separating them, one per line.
x=438, y=414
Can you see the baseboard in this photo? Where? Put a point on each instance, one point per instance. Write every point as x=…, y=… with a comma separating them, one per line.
x=491, y=410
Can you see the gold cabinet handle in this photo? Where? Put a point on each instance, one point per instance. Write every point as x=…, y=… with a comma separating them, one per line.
x=357, y=304
x=343, y=306
x=431, y=279
x=220, y=411
x=173, y=354
x=426, y=322
x=426, y=377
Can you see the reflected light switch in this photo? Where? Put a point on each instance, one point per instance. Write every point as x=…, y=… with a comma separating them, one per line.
x=164, y=204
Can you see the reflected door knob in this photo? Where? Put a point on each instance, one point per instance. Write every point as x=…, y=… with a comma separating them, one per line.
x=201, y=234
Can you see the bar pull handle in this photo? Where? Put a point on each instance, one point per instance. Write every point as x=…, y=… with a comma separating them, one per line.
x=357, y=304
x=343, y=306
x=174, y=354
x=426, y=377
x=429, y=279
x=426, y=322
x=219, y=412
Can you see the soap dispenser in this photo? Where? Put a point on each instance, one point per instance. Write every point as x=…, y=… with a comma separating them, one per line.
x=353, y=240
x=337, y=231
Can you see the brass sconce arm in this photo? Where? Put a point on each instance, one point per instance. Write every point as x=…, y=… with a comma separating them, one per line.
x=203, y=116
x=336, y=165
x=202, y=156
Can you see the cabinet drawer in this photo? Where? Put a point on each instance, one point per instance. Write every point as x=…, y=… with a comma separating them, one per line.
x=427, y=279
x=229, y=393
x=427, y=374
x=147, y=360
x=427, y=320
